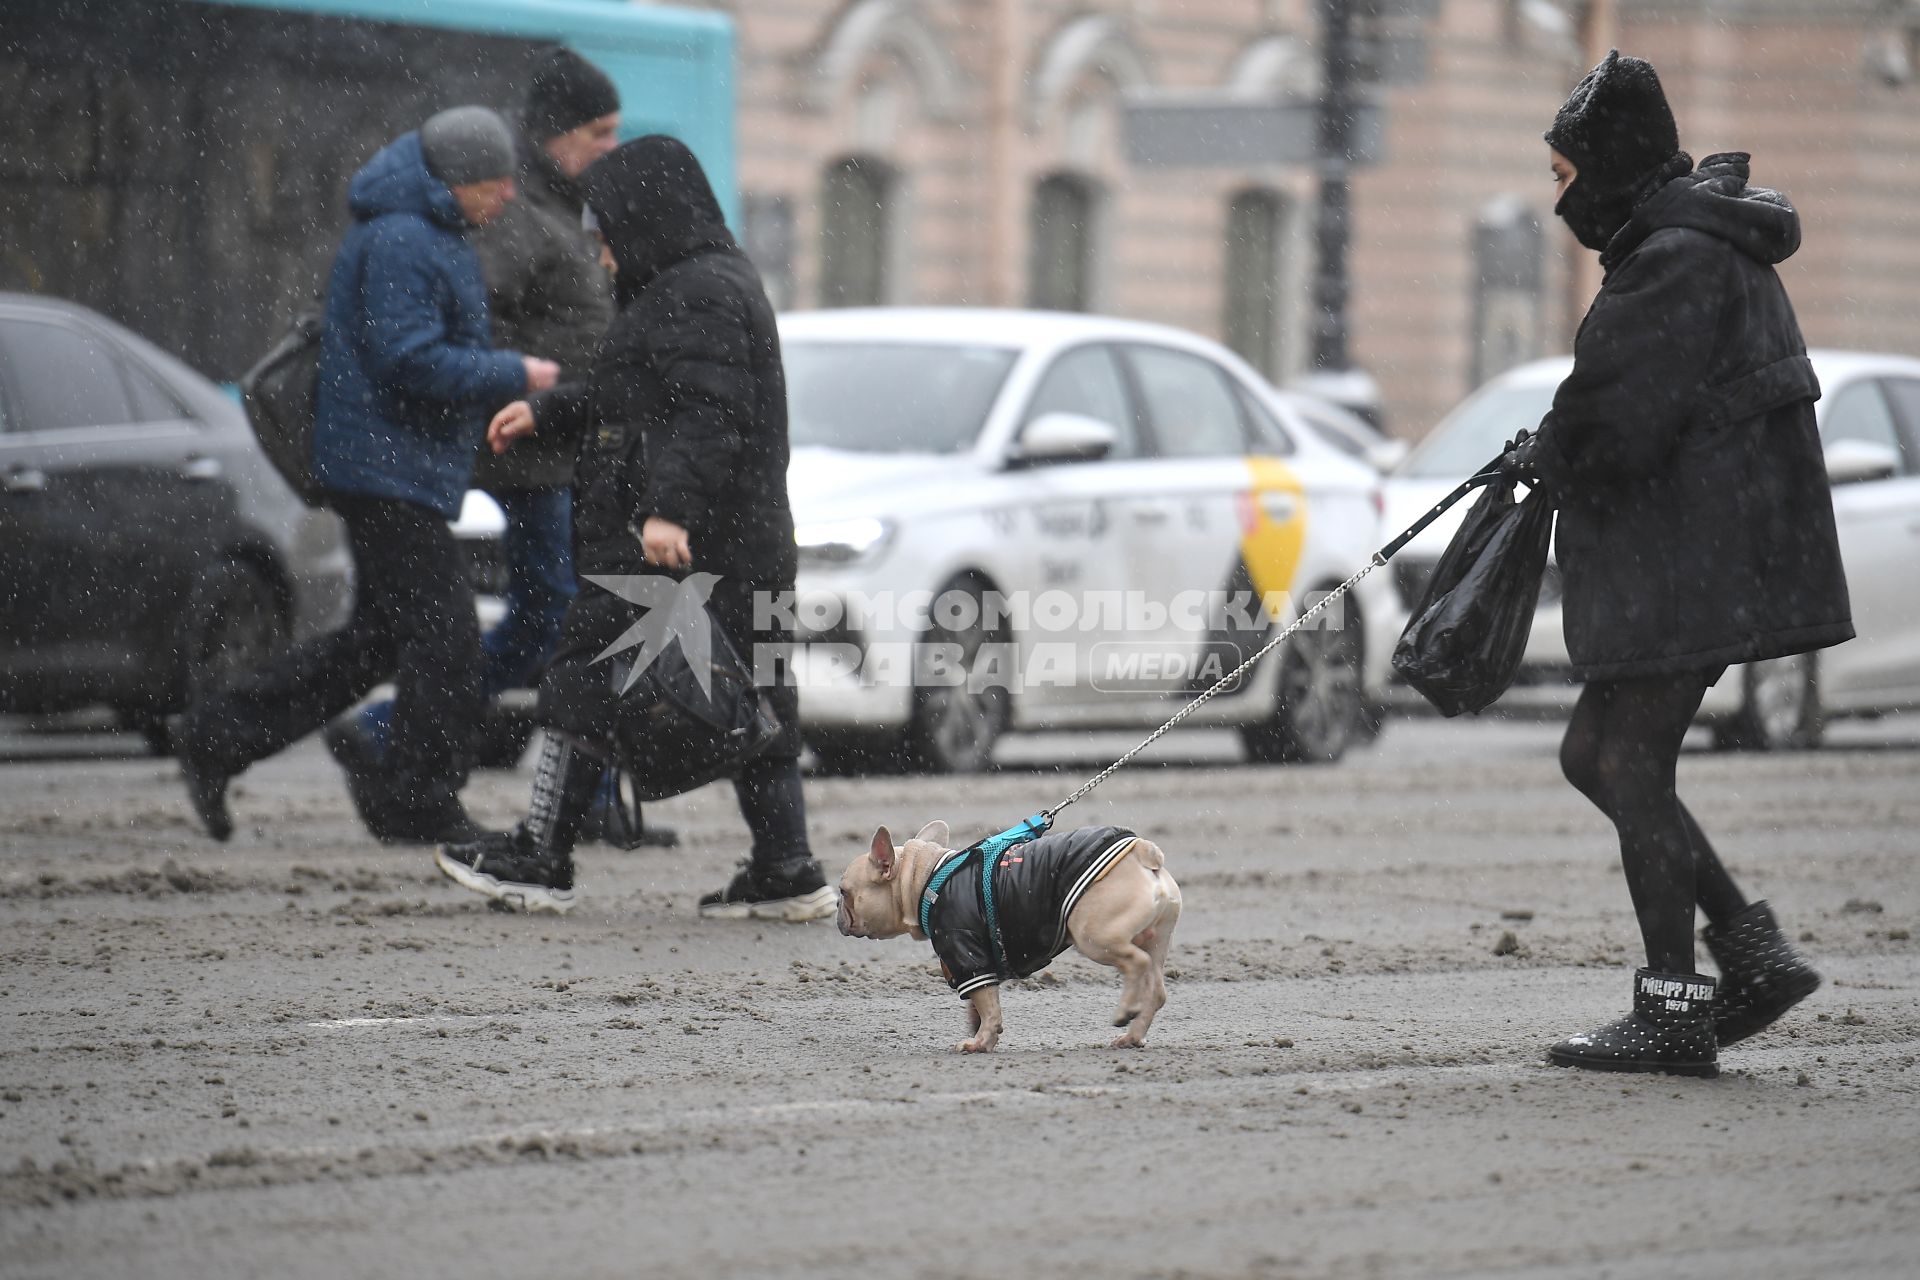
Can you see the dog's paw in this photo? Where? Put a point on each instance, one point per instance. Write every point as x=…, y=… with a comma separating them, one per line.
x=979, y=1044
x=1127, y=1041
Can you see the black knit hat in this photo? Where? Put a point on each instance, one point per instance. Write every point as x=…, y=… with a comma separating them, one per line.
x=566, y=92
x=1616, y=126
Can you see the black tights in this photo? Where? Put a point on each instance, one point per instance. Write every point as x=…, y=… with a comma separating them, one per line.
x=1620, y=751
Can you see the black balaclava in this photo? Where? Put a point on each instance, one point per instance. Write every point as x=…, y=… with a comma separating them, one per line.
x=1619, y=133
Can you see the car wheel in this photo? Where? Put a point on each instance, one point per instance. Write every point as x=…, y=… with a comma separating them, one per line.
x=234, y=625
x=1369, y=723
x=1779, y=707
x=1318, y=703
x=957, y=719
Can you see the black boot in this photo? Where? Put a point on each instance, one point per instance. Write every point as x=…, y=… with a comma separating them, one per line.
x=1670, y=1030
x=363, y=762
x=387, y=816
x=531, y=866
x=1761, y=975
x=205, y=777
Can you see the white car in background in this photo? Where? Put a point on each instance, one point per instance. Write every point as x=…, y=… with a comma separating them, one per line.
x=1869, y=415
x=1346, y=430
x=1069, y=468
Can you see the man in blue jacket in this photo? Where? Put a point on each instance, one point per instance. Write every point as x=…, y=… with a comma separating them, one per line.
x=408, y=379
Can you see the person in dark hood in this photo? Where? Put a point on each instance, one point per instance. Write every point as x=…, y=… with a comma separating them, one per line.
x=684, y=470
x=408, y=379
x=1695, y=530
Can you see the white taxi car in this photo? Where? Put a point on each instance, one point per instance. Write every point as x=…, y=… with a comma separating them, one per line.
x=1869, y=416
x=1026, y=520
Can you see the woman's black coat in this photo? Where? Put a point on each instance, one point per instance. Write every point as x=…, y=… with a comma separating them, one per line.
x=686, y=404
x=1696, y=526
x=683, y=416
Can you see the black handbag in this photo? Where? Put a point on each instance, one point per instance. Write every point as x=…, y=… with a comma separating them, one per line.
x=670, y=734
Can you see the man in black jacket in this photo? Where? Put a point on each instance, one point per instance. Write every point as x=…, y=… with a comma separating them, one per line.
x=1695, y=530
x=685, y=469
x=550, y=295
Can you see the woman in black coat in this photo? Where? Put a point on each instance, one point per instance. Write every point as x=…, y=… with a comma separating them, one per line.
x=683, y=470
x=1695, y=531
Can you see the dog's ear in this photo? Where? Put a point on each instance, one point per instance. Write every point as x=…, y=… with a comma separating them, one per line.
x=935, y=832
x=882, y=853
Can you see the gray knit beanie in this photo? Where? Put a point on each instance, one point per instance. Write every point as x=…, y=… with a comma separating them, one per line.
x=467, y=144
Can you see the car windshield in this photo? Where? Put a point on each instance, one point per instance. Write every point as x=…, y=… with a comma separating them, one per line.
x=1473, y=433
x=891, y=397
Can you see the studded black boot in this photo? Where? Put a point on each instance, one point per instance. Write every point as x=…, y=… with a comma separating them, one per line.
x=1670, y=1030
x=531, y=866
x=1761, y=975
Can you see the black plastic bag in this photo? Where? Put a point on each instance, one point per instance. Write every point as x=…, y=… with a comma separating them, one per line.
x=670, y=735
x=1466, y=636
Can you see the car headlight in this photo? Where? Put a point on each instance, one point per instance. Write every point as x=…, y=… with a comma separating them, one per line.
x=842, y=541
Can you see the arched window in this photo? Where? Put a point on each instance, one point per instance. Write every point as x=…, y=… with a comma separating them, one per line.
x=856, y=225
x=1256, y=235
x=1060, y=275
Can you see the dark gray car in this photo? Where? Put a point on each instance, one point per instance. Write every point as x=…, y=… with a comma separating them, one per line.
x=145, y=542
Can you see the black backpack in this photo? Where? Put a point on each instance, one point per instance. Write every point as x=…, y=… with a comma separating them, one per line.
x=279, y=393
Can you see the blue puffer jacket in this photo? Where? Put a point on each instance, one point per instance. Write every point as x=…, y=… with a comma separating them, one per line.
x=408, y=373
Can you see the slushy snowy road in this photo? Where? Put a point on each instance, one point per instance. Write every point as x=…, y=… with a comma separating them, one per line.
x=304, y=1054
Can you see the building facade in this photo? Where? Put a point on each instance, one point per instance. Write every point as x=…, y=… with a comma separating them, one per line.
x=182, y=165
x=972, y=152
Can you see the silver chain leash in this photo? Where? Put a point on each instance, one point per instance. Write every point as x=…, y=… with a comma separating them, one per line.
x=1488, y=474
x=1218, y=685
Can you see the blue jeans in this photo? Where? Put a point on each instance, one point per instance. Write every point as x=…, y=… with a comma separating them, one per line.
x=539, y=550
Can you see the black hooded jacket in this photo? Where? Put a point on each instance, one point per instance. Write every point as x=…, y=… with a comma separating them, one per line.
x=1696, y=526
x=685, y=409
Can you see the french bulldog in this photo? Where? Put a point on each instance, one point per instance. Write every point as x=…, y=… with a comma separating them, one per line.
x=1103, y=888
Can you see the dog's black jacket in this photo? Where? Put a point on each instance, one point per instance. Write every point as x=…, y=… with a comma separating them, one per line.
x=1035, y=886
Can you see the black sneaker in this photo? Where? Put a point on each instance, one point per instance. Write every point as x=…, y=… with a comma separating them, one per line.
x=793, y=891
x=505, y=866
